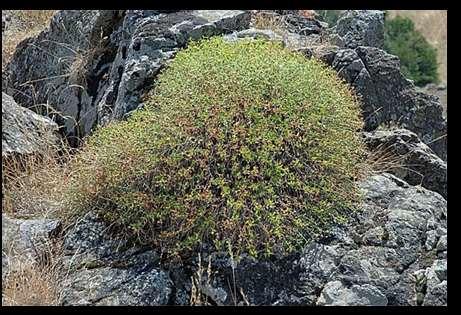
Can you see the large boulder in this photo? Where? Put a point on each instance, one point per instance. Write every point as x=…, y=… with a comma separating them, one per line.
x=55, y=66
x=26, y=241
x=105, y=270
x=361, y=28
x=25, y=132
x=93, y=66
x=388, y=98
x=393, y=252
x=414, y=161
x=373, y=261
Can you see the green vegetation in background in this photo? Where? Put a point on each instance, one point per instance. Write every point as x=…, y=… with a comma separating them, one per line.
x=243, y=144
x=418, y=59
x=329, y=16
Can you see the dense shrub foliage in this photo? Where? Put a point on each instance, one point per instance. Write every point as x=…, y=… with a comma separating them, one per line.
x=417, y=57
x=243, y=145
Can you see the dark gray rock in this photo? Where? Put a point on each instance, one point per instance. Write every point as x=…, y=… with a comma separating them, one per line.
x=105, y=270
x=55, y=67
x=335, y=293
x=26, y=241
x=388, y=98
x=93, y=66
x=361, y=28
x=301, y=25
x=371, y=261
x=440, y=91
x=25, y=132
x=117, y=287
x=415, y=162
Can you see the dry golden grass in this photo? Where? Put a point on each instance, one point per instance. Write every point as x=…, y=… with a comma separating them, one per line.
x=383, y=159
x=32, y=23
x=202, y=292
x=269, y=21
x=197, y=296
x=32, y=283
x=32, y=185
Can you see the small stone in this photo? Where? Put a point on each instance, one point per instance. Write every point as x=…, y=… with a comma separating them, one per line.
x=442, y=244
x=431, y=240
x=374, y=236
x=336, y=294
x=437, y=295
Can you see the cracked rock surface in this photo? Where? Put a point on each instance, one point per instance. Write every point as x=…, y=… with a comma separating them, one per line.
x=93, y=66
x=388, y=98
x=380, y=258
x=23, y=131
x=25, y=241
x=416, y=163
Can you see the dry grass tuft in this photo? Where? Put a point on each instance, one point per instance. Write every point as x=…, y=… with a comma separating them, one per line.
x=34, y=283
x=199, y=280
x=32, y=185
x=30, y=285
x=269, y=21
x=32, y=23
x=384, y=160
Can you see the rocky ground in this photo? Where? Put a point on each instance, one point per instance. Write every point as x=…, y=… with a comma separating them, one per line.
x=394, y=252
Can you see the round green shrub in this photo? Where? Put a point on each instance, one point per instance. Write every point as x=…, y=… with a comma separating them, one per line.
x=418, y=59
x=243, y=145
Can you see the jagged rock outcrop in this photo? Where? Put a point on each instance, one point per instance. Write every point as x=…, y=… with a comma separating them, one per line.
x=392, y=253
x=92, y=66
x=55, y=67
x=371, y=262
x=105, y=270
x=414, y=161
x=361, y=28
x=26, y=241
x=23, y=131
x=388, y=98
